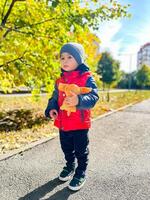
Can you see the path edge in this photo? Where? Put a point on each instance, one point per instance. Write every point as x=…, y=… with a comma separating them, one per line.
x=45, y=140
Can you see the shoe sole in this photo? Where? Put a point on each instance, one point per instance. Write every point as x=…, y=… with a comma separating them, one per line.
x=76, y=188
x=66, y=178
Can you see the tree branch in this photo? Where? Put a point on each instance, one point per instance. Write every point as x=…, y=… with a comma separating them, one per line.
x=23, y=32
x=13, y=29
x=46, y=20
x=11, y=61
x=41, y=22
x=4, y=9
x=8, y=13
x=17, y=28
x=8, y=30
x=19, y=58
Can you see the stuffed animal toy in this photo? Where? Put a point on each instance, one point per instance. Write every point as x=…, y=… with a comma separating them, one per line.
x=69, y=89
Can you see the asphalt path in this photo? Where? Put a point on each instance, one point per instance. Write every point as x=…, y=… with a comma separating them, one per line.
x=119, y=167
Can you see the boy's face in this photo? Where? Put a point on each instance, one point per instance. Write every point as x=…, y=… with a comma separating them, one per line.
x=68, y=62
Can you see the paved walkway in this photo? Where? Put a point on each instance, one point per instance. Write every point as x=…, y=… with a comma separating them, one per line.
x=119, y=167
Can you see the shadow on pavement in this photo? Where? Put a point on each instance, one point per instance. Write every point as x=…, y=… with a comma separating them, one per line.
x=40, y=192
x=61, y=194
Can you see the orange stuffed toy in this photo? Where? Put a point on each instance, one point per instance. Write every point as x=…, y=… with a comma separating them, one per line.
x=69, y=89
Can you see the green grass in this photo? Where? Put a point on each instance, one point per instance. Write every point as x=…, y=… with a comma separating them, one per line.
x=117, y=100
x=22, y=119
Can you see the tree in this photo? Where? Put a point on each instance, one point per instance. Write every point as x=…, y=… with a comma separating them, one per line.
x=143, y=77
x=32, y=32
x=128, y=81
x=108, y=69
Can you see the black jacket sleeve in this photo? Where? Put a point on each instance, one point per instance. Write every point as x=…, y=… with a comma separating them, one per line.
x=52, y=102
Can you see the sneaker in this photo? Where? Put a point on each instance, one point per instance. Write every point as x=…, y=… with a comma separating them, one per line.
x=66, y=174
x=77, y=183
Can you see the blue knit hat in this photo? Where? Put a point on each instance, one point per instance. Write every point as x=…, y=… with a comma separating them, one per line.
x=75, y=49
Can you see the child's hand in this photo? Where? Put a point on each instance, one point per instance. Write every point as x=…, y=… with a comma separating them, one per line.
x=53, y=114
x=71, y=100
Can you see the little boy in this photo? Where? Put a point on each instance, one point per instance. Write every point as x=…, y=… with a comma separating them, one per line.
x=73, y=128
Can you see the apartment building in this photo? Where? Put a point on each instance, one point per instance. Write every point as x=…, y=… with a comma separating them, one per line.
x=143, y=56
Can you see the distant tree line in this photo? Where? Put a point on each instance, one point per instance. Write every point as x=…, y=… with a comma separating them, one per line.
x=111, y=76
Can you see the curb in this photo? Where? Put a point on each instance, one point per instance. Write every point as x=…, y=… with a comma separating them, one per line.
x=45, y=140
x=25, y=148
x=113, y=111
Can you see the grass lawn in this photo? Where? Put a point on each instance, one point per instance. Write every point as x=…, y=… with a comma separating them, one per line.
x=22, y=119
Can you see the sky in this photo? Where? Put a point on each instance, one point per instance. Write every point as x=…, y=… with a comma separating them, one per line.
x=124, y=37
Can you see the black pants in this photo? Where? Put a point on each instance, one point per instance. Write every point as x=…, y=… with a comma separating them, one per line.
x=75, y=145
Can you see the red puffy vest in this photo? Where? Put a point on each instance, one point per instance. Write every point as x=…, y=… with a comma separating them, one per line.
x=79, y=119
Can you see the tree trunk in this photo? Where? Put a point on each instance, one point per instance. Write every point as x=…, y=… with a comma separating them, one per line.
x=103, y=86
x=108, y=94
